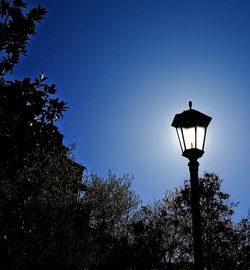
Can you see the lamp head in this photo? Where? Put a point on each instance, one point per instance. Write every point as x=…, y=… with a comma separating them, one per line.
x=191, y=127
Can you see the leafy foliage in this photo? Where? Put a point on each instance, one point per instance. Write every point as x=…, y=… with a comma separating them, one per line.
x=39, y=180
x=110, y=203
x=17, y=24
x=162, y=234
x=27, y=114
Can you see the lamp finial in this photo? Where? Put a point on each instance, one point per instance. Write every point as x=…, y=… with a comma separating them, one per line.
x=190, y=104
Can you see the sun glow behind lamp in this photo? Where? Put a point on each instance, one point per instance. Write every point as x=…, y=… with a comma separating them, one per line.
x=191, y=127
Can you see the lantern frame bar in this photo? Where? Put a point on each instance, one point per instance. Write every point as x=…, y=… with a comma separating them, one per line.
x=182, y=150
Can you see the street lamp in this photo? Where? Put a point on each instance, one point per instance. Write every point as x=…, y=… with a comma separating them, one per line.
x=191, y=127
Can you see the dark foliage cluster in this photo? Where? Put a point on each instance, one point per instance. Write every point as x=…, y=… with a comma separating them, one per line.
x=53, y=217
x=17, y=24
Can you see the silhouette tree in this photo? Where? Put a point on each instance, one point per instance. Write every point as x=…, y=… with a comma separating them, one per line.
x=243, y=236
x=162, y=238
x=40, y=180
x=110, y=204
x=28, y=110
x=220, y=239
x=161, y=234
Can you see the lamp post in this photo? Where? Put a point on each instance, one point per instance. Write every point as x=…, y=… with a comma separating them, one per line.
x=191, y=127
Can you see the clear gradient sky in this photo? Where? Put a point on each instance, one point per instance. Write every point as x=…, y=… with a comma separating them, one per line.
x=126, y=67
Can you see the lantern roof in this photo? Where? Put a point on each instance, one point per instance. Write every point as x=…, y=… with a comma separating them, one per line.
x=190, y=118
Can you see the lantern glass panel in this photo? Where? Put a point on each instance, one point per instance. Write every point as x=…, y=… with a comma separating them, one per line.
x=200, y=137
x=189, y=137
x=180, y=137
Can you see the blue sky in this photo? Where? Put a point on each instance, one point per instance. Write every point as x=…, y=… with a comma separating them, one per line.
x=127, y=67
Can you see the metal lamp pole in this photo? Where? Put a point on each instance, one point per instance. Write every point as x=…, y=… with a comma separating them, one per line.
x=191, y=127
x=196, y=216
